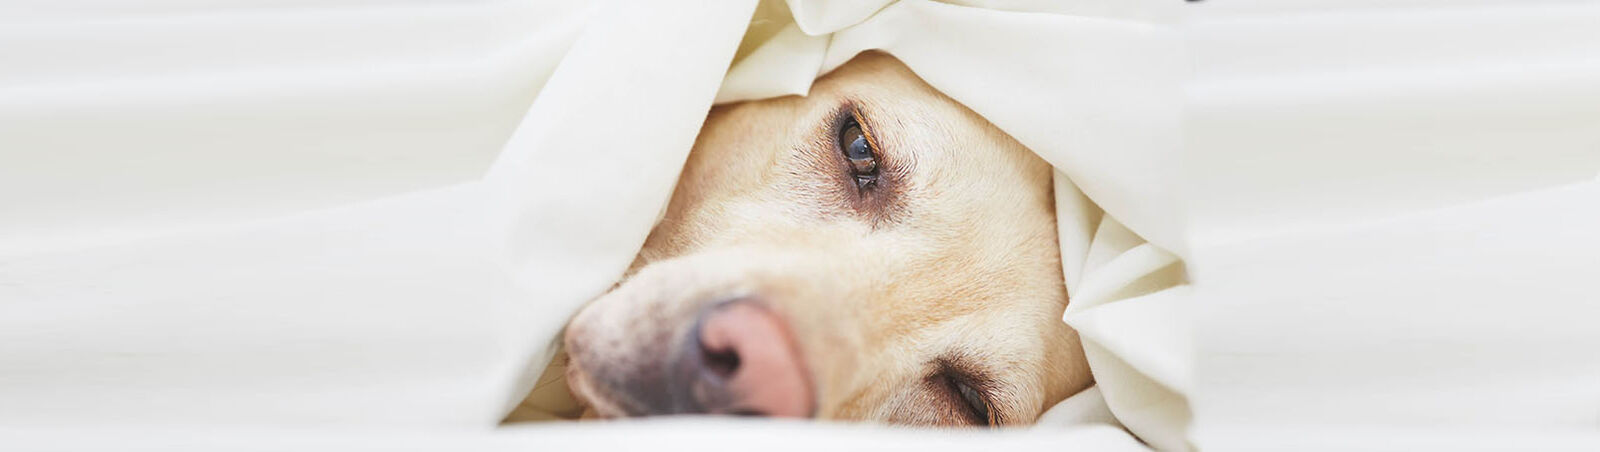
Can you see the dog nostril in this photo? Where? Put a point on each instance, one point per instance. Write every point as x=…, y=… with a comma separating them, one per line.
x=722, y=363
x=744, y=362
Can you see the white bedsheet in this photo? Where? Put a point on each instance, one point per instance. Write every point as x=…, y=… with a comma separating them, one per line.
x=1393, y=216
x=274, y=223
x=711, y=435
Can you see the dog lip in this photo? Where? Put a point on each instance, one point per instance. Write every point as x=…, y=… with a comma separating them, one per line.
x=623, y=395
x=582, y=385
x=578, y=386
x=582, y=389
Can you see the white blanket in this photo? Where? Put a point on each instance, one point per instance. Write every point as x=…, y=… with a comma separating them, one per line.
x=287, y=216
x=1095, y=93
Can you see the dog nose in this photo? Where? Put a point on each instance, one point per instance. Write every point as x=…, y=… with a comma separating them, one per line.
x=746, y=362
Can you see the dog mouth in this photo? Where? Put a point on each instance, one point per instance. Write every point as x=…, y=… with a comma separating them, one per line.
x=736, y=358
x=582, y=391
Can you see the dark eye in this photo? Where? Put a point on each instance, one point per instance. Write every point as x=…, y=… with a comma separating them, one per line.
x=859, y=150
x=977, y=408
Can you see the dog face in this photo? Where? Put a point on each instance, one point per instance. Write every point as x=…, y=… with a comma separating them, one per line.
x=872, y=251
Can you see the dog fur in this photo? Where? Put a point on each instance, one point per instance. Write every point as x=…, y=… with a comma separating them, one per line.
x=948, y=260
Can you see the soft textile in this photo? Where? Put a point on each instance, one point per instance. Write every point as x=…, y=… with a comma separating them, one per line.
x=440, y=306
x=1392, y=213
x=1093, y=90
x=358, y=224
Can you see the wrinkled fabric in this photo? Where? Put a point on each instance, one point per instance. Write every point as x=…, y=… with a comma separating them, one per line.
x=1096, y=96
x=702, y=434
x=1392, y=227
x=263, y=214
x=1095, y=90
x=1375, y=220
x=491, y=264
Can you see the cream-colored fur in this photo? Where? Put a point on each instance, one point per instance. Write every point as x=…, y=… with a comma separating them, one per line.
x=952, y=255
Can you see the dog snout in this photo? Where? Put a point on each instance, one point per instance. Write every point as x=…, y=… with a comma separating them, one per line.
x=743, y=360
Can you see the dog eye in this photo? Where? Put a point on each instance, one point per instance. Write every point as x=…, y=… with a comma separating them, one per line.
x=859, y=150
x=972, y=400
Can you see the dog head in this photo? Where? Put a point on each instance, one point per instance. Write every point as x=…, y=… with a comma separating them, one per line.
x=871, y=251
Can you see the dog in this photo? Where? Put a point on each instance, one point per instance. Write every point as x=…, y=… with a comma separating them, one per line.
x=871, y=251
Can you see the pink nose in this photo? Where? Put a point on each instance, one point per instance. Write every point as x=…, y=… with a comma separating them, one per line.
x=750, y=364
